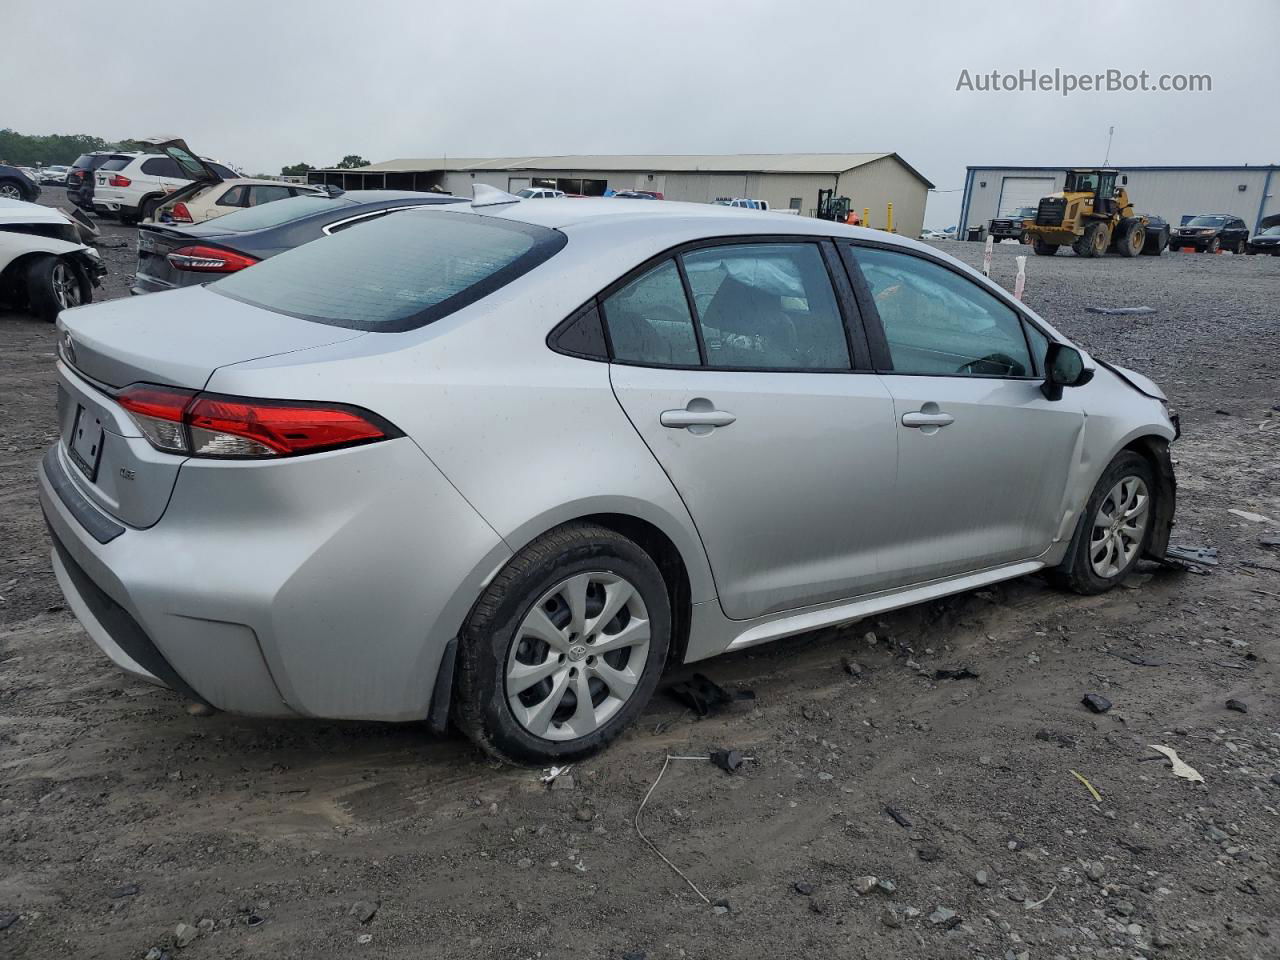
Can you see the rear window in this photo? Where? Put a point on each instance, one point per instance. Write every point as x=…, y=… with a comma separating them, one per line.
x=398, y=272
x=116, y=163
x=274, y=214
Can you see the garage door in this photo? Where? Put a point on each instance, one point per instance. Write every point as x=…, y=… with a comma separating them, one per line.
x=1018, y=192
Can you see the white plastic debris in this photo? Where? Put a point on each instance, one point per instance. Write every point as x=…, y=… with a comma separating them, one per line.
x=1251, y=517
x=1180, y=769
x=554, y=772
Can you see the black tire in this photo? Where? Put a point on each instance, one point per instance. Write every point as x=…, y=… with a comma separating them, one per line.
x=129, y=219
x=1213, y=246
x=1043, y=248
x=1076, y=571
x=1240, y=248
x=1025, y=237
x=148, y=208
x=480, y=708
x=47, y=293
x=11, y=189
x=1093, y=242
x=1133, y=236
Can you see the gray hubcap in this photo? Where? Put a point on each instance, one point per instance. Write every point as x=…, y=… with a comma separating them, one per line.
x=66, y=286
x=578, y=656
x=1118, y=527
x=10, y=191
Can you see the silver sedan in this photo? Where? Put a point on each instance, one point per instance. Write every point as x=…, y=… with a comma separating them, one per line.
x=499, y=463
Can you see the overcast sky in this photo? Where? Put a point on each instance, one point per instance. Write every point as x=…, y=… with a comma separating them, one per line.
x=261, y=85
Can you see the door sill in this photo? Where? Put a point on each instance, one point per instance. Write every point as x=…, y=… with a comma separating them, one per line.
x=787, y=625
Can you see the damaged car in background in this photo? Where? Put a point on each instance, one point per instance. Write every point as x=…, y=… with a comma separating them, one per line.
x=47, y=259
x=174, y=255
x=500, y=463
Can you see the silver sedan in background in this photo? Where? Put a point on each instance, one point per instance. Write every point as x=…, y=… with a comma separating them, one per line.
x=499, y=463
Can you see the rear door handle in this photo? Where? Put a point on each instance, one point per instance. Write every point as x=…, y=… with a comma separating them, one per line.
x=921, y=419
x=677, y=419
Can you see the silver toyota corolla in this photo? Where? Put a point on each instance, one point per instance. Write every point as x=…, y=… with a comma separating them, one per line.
x=501, y=462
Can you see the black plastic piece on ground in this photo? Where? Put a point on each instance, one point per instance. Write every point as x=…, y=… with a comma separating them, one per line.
x=899, y=817
x=959, y=673
x=1239, y=706
x=1096, y=703
x=727, y=760
x=704, y=697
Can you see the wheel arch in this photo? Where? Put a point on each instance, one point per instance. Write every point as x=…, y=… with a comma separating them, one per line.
x=1155, y=450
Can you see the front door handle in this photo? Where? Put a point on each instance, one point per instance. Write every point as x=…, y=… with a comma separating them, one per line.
x=922, y=419
x=677, y=419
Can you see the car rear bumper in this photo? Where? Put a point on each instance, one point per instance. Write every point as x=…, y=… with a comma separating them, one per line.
x=326, y=585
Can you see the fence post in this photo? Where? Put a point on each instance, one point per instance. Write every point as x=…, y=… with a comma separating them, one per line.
x=889, y=218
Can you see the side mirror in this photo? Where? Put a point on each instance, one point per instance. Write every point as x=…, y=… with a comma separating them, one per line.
x=1063, y=367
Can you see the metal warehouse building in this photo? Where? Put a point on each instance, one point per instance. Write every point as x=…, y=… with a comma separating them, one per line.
x=786, y=181
x=1170, y=192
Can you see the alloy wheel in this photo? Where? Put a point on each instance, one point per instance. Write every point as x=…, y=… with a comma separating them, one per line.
x=577, y=656
x=66, y=286
x=10, y=192
x=1119, y=527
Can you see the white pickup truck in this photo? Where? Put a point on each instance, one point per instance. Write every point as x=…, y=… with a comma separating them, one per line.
x=748, y=203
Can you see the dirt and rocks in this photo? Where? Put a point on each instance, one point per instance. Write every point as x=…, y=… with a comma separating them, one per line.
x=884, y=813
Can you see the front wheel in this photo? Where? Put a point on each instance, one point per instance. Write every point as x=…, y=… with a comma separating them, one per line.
x=53, y=285
x=564, y=648
x=10, y=190
x=1114, y=529
x=1043, y=248
x=1214, y=245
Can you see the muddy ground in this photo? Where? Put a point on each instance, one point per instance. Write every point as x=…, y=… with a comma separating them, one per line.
x=122, y=817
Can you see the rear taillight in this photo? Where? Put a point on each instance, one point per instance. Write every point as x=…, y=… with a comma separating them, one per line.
x=213, y=425
x=119, y=181
x=208, y=259
x=180, y=213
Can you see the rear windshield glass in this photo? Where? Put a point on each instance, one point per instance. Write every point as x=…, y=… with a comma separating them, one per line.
x=395, y=273
x=115, y=163
x=274, y=214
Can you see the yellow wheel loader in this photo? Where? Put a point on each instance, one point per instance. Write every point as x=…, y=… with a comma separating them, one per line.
x=1092, y=214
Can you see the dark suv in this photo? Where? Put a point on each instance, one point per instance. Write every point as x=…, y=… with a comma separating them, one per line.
x=1011, y=227
x=80, y=176
x=1211, y=232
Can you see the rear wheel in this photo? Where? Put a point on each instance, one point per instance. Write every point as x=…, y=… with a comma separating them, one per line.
x=1114, y=529
x=1240, y=247
x=1043, y=248
x=10, y=190
x=148, y=208
x=55, y=284
x=564, y=648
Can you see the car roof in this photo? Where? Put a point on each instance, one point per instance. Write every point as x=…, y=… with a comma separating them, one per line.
x=675, y=220
x=236, y=181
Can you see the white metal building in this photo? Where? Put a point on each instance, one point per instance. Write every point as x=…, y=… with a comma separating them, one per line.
x=1247, y=192
x=786, y=181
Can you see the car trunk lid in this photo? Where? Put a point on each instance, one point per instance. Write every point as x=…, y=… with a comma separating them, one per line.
x=191, y=166
x=173, y=339
x=180, y=337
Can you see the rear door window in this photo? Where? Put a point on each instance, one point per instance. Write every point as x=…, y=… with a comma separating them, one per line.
x=259, y=194
x=649, y=320
x=162, y=167
x=398, y=273
x=767, y=306
x=235, y=197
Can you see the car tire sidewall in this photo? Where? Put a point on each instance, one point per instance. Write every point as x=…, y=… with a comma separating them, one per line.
x=1126, y=464
x=41, y=300
x=489, y=636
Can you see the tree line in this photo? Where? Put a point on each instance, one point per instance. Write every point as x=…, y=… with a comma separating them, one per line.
x=33, y=150
x=28, y=150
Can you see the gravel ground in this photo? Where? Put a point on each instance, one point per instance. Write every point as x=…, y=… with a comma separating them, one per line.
x=121, y=817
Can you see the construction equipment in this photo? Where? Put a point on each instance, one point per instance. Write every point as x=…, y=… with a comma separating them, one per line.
x=1093, y=214
x=831, y=207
